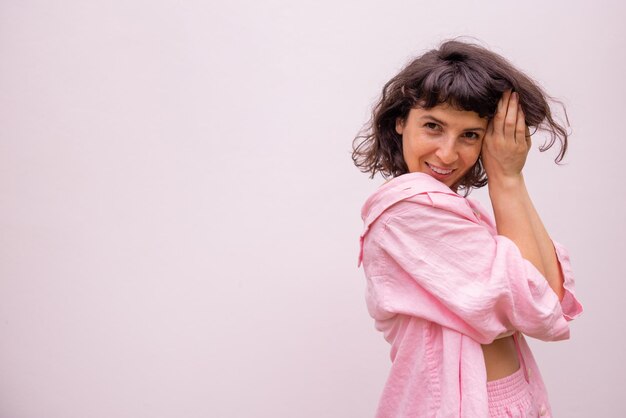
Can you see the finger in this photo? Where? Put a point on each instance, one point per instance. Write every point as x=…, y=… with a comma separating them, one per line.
x=498, y=118
x=510, y=121
x=528, y=139
x=520, y=127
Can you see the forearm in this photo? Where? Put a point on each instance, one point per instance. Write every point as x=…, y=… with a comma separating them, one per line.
x=553, y=273
x=518, y=220
x=510, y=201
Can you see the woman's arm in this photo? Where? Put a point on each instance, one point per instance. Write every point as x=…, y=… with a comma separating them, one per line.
x=504, y=152
x=553, y=272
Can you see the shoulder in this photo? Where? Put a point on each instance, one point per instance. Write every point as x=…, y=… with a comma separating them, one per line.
x=413, y=188
x=435, y=205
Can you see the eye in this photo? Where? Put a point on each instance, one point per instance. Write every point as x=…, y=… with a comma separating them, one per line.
x=472, y=135
x=431, y=125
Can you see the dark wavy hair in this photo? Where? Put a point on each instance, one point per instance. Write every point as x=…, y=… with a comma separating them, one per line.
x=467, y=77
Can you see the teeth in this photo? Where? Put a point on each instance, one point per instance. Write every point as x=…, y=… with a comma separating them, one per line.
x=439, y=170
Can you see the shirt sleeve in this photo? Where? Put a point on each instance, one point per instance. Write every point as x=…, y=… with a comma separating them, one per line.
x=449, y=269
x=570, y=305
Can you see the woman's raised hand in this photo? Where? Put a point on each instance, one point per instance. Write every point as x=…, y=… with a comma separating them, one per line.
x=504, y=152
x=507, y=140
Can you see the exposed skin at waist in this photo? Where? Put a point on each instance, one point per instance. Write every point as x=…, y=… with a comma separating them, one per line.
x=501, y=358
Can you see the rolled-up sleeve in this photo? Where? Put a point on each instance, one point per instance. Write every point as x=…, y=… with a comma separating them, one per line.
x=570, y=305
x=439, y=265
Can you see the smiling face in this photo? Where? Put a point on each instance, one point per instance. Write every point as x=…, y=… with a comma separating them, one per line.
x=441, y=141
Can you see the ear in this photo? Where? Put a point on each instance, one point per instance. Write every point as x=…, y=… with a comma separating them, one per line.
x=399, y=125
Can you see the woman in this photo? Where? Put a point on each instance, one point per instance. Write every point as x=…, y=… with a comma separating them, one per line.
x=452, y=290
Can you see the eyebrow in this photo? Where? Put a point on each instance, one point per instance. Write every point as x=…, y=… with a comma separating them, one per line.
x=442, y=123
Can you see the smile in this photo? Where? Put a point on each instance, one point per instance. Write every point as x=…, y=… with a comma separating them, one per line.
x=439, y=170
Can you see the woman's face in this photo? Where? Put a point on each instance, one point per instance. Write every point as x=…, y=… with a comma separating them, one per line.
x=442, y=141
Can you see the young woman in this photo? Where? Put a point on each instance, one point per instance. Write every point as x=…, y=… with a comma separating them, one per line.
x=453, y=290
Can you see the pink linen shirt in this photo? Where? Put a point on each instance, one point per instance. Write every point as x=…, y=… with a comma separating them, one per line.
x=441, y=282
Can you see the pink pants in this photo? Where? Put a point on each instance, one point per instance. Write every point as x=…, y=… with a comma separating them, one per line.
x=510, y=396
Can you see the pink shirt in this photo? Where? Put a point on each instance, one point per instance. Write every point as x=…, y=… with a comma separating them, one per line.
x=441, y=282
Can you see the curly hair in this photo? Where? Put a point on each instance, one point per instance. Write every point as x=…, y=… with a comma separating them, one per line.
x=467, y=77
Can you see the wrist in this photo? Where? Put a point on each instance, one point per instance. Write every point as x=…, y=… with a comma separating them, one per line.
x=509, y=183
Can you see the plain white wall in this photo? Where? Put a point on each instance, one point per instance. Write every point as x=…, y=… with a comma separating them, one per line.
x=180, y=216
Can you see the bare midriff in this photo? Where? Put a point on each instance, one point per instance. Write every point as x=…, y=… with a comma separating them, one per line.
x=501, y=358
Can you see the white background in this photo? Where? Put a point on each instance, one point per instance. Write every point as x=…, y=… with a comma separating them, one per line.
x=179, y=213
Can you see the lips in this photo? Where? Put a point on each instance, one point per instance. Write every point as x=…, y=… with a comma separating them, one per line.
x=439, y=170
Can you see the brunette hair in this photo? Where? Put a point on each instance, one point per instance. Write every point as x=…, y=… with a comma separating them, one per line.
x=464, y=75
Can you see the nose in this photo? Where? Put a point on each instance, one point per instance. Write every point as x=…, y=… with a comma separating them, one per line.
x=447, y=152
